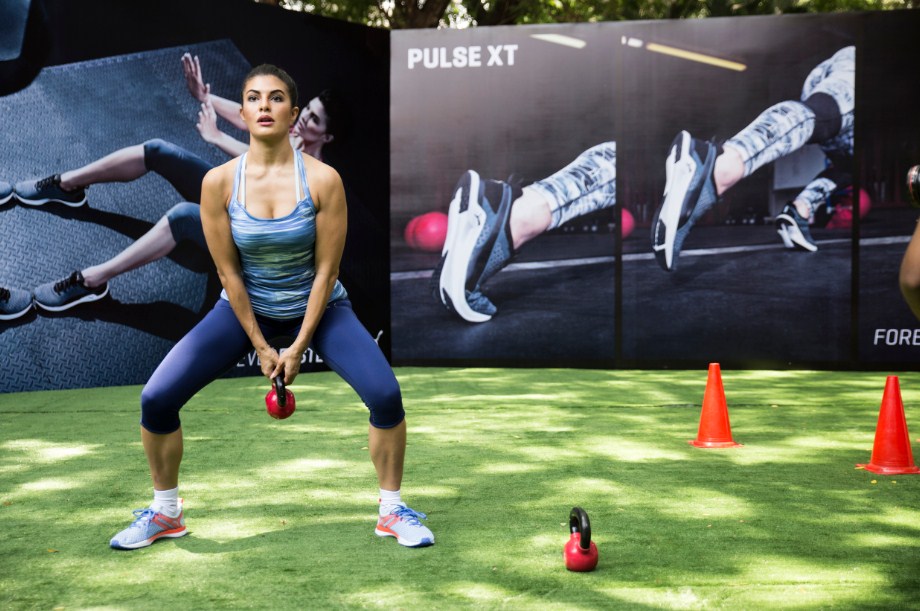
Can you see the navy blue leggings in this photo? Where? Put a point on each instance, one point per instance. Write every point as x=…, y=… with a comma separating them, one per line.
x=218, y=342
x=183, y=169
x=185, y=224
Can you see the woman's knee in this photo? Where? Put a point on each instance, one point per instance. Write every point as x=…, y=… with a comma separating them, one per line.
x=158, y=411
x=185, y=223
x=155, y=149
x=385, y=404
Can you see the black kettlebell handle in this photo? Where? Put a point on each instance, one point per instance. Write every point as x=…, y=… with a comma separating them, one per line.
x=279, y=391
x=579, y=523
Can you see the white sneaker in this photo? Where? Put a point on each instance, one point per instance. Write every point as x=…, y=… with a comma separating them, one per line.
x=689, y=192
x=147, y=527
x=403, y=523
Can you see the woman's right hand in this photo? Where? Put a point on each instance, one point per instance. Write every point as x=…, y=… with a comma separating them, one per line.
x=268, y=360
x=207, y=122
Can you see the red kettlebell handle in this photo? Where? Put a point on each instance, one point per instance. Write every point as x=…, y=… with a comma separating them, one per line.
x=579, y=523
x=279, y=391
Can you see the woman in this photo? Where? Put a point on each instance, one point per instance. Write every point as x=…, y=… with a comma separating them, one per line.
x=277, y=254
x=315, y=129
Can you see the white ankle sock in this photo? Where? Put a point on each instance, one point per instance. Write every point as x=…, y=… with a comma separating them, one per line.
x=166, y=501
x=389, y=499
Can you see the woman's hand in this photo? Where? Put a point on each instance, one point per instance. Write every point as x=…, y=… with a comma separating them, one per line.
x=287, y=366
x=300, y=125
x=191, y=67
x=207, y=122
x=269, y=360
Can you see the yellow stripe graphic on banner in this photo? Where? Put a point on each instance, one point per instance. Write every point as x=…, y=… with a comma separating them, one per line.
x=559, y=39
x=696, y=57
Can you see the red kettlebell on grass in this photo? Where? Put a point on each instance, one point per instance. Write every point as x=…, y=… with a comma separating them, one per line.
x=580, y=552
x=279, y=402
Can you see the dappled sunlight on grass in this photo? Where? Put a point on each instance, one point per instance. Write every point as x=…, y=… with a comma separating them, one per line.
x=198, y=485
x=392, y=596
x=815, y=443
x=504, y=468
x=544, y=544
x=302, y=467
x=119, y=571
x=38, y=450
x=807, y=596
x=479, y=593
x=663, y=598
x=281, y=514
x=28, y=489
x=548, y=454
x=595, y=485
x=776, y=569
x=630, y=450
x=433, y=491
x=883, y=540
x=360, y=497
x=792, y=450
x=224, y=529
x=901, y=517
x=14, y=468
x=706, y=503
x=502, y=424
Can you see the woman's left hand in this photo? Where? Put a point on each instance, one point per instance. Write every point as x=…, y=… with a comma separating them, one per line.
x=288, y=366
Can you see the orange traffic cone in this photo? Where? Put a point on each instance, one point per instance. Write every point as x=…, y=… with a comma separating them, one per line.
x=715, y=430
x=891, y=453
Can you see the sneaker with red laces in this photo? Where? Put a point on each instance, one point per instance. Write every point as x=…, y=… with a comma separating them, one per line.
x=403, y=523
x=147, y=527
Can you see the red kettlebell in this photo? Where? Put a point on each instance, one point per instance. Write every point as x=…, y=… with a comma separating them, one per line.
x=279, y=402
x=580, y=552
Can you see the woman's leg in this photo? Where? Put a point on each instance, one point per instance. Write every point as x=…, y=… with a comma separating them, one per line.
x=351, y=352
x=183, y=169
x=182, y=222
x=123, y=165
x=153, y=245
x=213, y=346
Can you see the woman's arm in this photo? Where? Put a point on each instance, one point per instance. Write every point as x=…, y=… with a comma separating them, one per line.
x=201, y=91
x=331, y=226
x=215, y=220
x=909, y=276
x=228, y=109
x=207, y=128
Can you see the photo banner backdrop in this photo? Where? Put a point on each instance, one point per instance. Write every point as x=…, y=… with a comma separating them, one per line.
x=507, y=107
x=562, y=131
x=812, y=111
x=737, y=89
x=119, y=86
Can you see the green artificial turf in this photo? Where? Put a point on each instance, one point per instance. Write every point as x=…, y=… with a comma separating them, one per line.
x=281, y=513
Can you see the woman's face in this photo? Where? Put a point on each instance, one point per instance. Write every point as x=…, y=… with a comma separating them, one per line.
x=267, y=108
x=312, y=124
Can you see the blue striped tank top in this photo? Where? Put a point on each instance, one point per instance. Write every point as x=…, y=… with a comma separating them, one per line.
x=277, y=255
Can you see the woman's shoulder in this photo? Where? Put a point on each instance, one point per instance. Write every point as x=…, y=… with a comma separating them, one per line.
x=318, y=171
x=223, y=172
x=219, y=180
